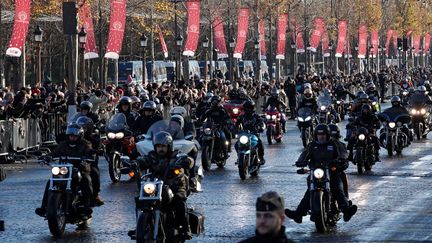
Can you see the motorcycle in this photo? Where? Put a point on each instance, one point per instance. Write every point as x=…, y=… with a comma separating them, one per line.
x=274, y=125
x=119, y=145
x=340, y=107
x=247, y=154
x=65, y=197
x=305, y=124
x=155, y=215
x=376, y=106
x=420, y=116
x=324, y=114
x=392, y=137
x=404, y=95
x=323, y=209
x=234, y=109
x=214, y=146
x=364, y=150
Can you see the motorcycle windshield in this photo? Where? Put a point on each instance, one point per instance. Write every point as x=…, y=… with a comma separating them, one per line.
x=76, y=117
x=271, y=109
x=395, y=117
x=417, y=100
x=234, y=102
x=117, y=122
x=304, y=112
x=171, y=127
x=324, y=100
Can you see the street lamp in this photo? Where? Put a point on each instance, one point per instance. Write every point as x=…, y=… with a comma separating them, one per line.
x=205, y=45
x=179, y=44
x=38, y=37
x=232, y=46
x=258, y=63
x=82, y=39
x=143, y=44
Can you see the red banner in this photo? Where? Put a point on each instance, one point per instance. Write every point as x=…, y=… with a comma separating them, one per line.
x=281, y=38
x=395, y=47
x=362, y=45
x=117, y=28
x=315, y=38
x=426, y=43
x=297, y=36
x=242, y=29
x=20, y=28
x=86, y=21
x=416, y=44
x=347, y=51
x=163, y=44
x=219, y=37
x=193, y=31
x=389, y=36
x=342, y=32
x=375, y=43
x=262, y=39
x=325, y=44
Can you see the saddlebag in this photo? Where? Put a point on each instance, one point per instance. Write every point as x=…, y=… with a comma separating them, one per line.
x=196, y=221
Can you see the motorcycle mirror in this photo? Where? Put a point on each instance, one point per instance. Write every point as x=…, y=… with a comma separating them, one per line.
x=189, y=137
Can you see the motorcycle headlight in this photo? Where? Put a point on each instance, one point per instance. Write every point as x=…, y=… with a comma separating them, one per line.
x=405, y=93
x=374, y=103
x=308, y=118
x=392, y=124
x=413, y=112
x=268, y=117
x=207, y=131
x=244, y=139
x=111, y=135
x=361, y=137
x=55, y=170
x=235, y=111
x=119, y=135
x=301, y=119
x=64, y=170
x=318, y=173
x=323, y=108
x=149, y=188
x=423, y=111
x=273, y=117
x=338, y=102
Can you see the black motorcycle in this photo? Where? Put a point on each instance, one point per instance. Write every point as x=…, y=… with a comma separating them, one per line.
x=420, y=116
x=364, y=150
x=391, y=136
x=340, y=108
x=247, y=154
x=155, y=215
x=65, y=196
x=305, y=120
x=214, y=148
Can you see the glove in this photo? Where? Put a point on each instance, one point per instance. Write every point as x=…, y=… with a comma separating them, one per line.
x=300, y=164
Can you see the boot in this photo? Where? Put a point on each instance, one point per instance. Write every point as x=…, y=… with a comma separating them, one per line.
x=350, y=156
x=261, y=160
x=185, y=233
x=377, y=159
x=348, y=212
x=98, y=200
x=40, y=211
x=294, y=215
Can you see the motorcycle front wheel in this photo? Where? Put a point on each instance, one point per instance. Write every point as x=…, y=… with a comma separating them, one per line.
x=205, y=157
x=390, y=146
x=114, y=168
x=319, y=212
x=359, y=161
x=144, y=228
x=56, y=214
x=243, y=166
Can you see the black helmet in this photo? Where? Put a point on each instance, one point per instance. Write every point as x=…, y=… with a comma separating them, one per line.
x=334, y=131
x=144, y=97
x=125, y=100
x=163, y=138
x=85, y=123
x=364, y=98
x=395, y=101
x=86, y=105
x=275, y=92
x=156, y=100
x=149, y=106
x=366, y=108
x=322, y=129
x=360, y=93
x=75, y=130
x=215, y=100
x=249, y=107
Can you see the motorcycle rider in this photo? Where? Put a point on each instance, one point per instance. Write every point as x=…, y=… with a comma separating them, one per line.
x=252, y=122
x=323, y=149
x=372, y=91
x=275, y=101
x=370, y=121
x=74, y=146
x=136, y=104
x=308, y=100
x=421, y=96
x=398, y=109
x=220, y=117
x=86, y=109
x=148, y=117
x=159, y=162
x=341, y=93
x=125, y=106
x=203, y=105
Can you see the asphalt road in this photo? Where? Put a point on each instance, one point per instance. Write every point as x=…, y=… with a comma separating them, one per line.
x=394, y=200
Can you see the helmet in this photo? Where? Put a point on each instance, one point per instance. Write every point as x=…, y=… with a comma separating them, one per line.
x=179, y=119
x=364, y=98
x=275, y=91
x=308, y=93
x=163, y=138
x=136, y=102
x=75, y=130
x=307, y=85
x=366, y=109
x=370, y=85
x=178, y=110
x=395, y=101
x=360, y=93
x=334, y=131
x=426, y=82
x=149, y=106
x=144, y=97
x=85, y=123
x=215, y=101
x=421, y=88
x=207, y=96
x=86, y=105
x=242, y=92
x=156, y=100
x=125, y=100
x=321, y=129
x=249, y=106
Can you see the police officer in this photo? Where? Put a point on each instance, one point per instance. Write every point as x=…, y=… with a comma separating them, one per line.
x=161, y=159
x=322, y=150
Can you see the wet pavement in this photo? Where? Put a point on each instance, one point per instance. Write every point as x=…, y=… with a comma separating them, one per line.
x=394, y=200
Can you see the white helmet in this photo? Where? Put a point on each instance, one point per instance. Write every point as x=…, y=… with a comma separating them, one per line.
x=178, y=110
x=178, y=118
